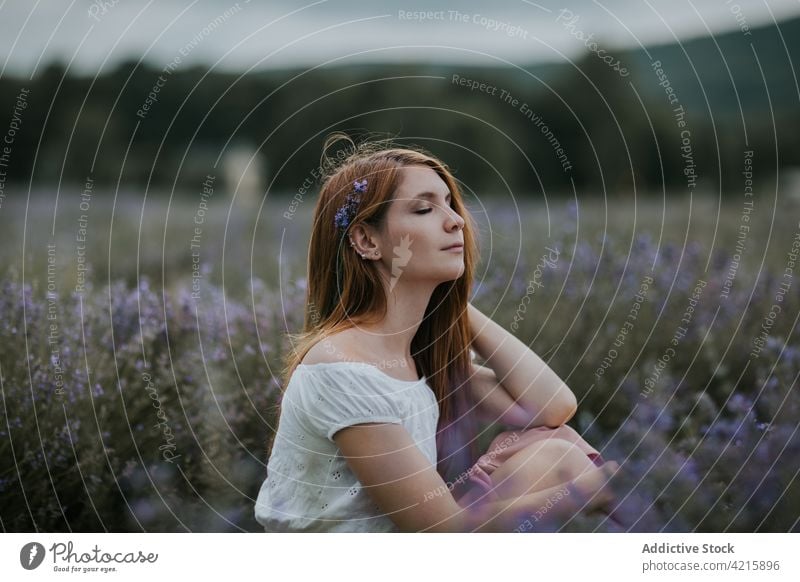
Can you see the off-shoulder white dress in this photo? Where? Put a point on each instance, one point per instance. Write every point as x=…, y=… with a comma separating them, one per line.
x=309, y=486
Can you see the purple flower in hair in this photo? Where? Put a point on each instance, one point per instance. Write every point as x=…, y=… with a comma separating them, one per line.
x=348, y=210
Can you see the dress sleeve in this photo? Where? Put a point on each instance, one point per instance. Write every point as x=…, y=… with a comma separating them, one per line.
x=333, y=398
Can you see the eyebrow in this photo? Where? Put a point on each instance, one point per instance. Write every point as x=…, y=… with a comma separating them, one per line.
x=430, y=195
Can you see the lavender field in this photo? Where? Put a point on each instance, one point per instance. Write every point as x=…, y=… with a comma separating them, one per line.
x=140, y=356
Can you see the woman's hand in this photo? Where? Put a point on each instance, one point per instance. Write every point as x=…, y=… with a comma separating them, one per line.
x=593, y=485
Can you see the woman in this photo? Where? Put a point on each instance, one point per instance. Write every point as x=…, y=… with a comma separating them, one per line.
x=379, y=418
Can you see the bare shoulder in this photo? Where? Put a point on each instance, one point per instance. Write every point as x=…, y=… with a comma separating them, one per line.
x=342, y=346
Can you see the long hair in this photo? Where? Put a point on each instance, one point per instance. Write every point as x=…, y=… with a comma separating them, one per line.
x=344, y=290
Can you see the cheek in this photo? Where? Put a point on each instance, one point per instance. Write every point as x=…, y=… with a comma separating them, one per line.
x=423, y=243
x=414, y=236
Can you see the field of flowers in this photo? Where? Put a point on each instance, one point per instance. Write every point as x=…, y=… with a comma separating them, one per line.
x=138, y=394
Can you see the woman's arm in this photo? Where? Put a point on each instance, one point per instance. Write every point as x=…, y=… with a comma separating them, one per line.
x=407, y=488
x=590, y=486
x=527, y=379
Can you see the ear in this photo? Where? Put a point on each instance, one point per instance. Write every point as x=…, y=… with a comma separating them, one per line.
x=363, y=238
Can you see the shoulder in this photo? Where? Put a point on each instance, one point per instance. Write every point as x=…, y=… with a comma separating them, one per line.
x=339, y=347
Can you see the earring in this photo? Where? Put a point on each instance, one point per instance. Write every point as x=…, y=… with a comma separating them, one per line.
x=363, y=255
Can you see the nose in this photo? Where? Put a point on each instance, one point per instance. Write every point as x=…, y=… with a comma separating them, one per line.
x=454, y=219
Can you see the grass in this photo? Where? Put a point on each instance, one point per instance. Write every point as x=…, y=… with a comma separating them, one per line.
x=137, y=370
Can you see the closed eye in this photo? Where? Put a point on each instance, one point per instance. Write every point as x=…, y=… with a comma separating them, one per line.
x=448, y=200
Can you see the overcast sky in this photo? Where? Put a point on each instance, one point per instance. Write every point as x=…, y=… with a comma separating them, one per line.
x=93, y=35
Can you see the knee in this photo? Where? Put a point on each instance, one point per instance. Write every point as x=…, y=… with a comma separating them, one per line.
x=542, y=464
x=552, y=447
x=560, y=456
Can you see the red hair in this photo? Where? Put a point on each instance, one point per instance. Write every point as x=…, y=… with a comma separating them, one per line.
x=343, y=290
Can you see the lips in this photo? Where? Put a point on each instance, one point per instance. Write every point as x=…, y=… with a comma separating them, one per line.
x=456, y=245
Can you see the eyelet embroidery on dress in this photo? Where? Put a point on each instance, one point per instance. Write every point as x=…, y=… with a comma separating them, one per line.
x=306, y=503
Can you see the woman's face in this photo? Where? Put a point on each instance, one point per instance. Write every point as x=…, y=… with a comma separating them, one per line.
x=420, y=224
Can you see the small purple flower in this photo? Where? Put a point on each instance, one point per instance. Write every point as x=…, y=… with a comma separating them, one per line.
x=341, y=220
x=739, y=403
x=348, y=210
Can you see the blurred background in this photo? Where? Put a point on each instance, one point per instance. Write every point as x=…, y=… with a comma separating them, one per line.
x=158, y=171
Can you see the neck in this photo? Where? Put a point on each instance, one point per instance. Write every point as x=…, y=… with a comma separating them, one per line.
x=405, y=307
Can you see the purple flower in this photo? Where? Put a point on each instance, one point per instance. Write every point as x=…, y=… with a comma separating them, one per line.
x=739, y=403
x=345, y=214
x=341, y=220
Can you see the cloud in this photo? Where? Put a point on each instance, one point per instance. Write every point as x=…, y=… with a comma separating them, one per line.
x=36, y=33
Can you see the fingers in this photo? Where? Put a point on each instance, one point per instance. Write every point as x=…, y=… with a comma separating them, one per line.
x=611, y=465
x=610, y=469
x=593, y=485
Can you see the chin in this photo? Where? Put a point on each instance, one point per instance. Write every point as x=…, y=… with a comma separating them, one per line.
x=453, y=274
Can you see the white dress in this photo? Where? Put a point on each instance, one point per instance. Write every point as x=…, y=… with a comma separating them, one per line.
x=309, y=486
